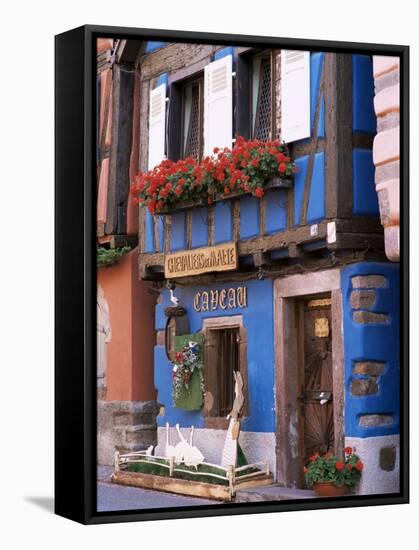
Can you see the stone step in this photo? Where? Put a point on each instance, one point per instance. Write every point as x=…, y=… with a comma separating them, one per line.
x=272, y=493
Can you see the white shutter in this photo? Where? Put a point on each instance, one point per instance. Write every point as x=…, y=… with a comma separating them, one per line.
x=157, y=126
x=218, y=112
x=295, y=95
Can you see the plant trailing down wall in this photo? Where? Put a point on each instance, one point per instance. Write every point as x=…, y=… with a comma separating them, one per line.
x=107, y=257
x=187, y=372
x=247, y=168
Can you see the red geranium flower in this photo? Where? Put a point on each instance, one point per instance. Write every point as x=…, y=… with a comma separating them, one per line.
x=328, y=455
x=259, y=192
x=359, y=466
x=282, y=167
x=348, y=450
x=339, y=465
x=349, y=467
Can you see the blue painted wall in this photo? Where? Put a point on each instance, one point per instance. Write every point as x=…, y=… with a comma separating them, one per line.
x=373, y=342
x=224, y=52
x=149, y=232
x=316, y=65
x=249, y=217
x=154, y=45
x=199, y=227
x=299, y=180
x=223, y=222
x=258, y=321
x=276, y=210
x=178, y=231
x=316, y=203
x=365, y=198
x=363, y=116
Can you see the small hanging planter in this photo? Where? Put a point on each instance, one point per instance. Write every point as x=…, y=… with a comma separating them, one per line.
x=187, y=373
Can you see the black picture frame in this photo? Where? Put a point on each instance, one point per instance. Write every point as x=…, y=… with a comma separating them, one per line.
x=75, y=269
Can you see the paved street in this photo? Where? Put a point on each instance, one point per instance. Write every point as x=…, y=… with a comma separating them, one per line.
x=112, y=497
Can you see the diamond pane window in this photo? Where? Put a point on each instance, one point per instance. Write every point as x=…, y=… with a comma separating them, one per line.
x=192, y=120
x=261, y=98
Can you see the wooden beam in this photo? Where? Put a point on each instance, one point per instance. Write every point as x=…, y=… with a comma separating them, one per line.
x=118, y=187
x=338, y=126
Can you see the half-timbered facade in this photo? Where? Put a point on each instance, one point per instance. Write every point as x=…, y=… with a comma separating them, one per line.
x=292, y=289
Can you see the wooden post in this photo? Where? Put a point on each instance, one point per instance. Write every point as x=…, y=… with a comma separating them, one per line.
x=116, y=460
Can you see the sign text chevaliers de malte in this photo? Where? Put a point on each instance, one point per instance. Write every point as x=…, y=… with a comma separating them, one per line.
x=222, y=257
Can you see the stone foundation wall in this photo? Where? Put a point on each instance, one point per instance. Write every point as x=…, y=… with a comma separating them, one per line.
x=381, y=458
x=124, y=426
x=386, y=149
x=257, y=446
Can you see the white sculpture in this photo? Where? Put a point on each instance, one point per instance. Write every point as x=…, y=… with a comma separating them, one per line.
x=185, y=452
x=169, y=450
x=229, y=456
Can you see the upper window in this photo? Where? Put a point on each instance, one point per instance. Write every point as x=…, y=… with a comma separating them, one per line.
x=261, y=93
x=192, y=120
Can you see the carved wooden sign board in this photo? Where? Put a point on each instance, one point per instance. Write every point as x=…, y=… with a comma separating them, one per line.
x=222, y=257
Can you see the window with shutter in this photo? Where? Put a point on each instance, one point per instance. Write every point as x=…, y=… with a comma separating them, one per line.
x=218, y=111
x=192, y=126
x=225, y=353
x=157, y=126
x=295, y=95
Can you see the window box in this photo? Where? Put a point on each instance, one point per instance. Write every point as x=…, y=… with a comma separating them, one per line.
x=273, y=183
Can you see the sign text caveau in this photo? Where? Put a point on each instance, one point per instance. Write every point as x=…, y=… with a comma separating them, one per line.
x=221, y=257
x=226, y=298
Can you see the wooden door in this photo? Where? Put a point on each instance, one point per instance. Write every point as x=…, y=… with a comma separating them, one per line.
x=316, y=398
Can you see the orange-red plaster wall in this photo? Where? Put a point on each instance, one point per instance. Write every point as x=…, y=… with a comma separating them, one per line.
x=129, y=369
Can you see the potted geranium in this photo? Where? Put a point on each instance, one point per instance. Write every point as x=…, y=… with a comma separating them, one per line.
x=333, y=476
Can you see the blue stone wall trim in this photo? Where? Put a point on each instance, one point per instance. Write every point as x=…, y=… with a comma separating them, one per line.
x=178, y=232
x=373, y=342
x=316, y=64
x=154, y=45
x=258, y=321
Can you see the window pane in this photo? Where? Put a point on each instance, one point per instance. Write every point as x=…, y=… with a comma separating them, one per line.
x=191, y=141
x=261, y=88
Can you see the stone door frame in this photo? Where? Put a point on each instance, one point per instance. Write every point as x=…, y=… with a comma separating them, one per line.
x=287, y=291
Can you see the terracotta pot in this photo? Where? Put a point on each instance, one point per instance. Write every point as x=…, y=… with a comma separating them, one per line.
x=329, y=489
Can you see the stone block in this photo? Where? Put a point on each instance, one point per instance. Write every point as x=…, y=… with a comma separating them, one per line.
x=390, y=120
x=369, y=317
x=362, y=299
x=386, y=146
x=392, y=242
x=388, y=458
x=384, y=63
x=387, y=100
x=389, y=202
x=369, y=368
x=387, y=79
x=388, y=171
x=369, y=281
x=375, y=420
x=361, y=387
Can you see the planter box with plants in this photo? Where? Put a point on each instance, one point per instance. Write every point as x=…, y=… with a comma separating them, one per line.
x=250, y=167
x=204, y=480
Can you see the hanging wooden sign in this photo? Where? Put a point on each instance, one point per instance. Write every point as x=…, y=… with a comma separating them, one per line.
x=222, y=257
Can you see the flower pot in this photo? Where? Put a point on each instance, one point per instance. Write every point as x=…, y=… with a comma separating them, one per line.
x=329, y=489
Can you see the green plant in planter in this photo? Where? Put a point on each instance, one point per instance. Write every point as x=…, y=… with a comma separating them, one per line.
x=107, y=257
x=328, y=467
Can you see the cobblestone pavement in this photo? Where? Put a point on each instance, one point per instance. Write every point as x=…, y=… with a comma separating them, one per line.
x=111, y=498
